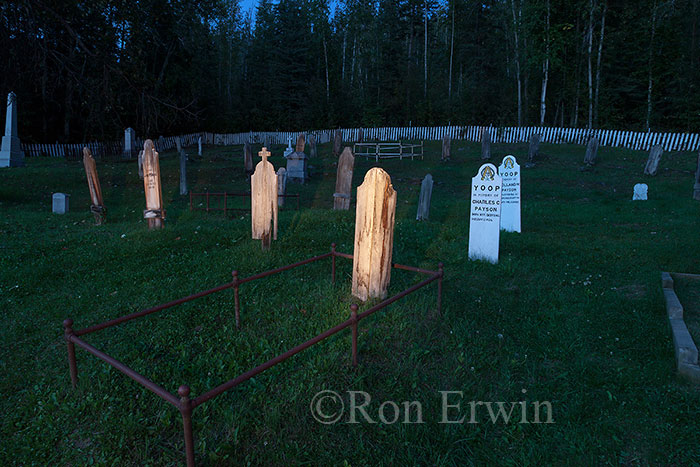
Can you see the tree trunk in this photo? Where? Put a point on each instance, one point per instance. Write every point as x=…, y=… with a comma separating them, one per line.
x=325, y=57
x=545, y=72
x=590, y=67
x=651, y=60
x=517, y=59
x=452, y=52
x=597, y=68
x=425, y=55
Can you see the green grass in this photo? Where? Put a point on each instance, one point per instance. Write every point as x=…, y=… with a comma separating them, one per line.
x=576, y=298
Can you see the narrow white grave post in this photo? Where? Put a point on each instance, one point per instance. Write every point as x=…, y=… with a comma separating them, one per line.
x=263, y=189
x=509, y=170
x=129, y=142
x=374, y=235
x=281, y=185
x=11, y=154
x=485, y=214
x=199, y=146
x=426, y=192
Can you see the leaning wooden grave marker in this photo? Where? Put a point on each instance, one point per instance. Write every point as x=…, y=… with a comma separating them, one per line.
x=653, y=161
x=97, y=208
x=426, y=192
x=337, y=142
x=591, y=156
x=263, y=201
x=509, y=170
x=343, y=181
x=485, y=145
x=446, y=143
x=485, y=215
x=374, y=235
x=301, y=142
x=154, y=211
x=247, y=159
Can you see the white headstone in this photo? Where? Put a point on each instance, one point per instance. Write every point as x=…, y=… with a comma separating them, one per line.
x=485, y=214
x=640, y=192
x=288, y=150
x=60, y=203
x=199, y=146
x=509, y=170
x=11, y=154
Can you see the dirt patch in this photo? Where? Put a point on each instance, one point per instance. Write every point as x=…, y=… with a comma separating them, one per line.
x=633, y=291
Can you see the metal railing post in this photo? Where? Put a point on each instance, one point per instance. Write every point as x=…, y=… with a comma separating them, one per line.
x=353, y=317
x=186, y=411
x=68, y=332
x=236, y=300
x=441, y=271
x=333, y=262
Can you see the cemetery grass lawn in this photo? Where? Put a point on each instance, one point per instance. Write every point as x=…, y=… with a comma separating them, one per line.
x=573, y=314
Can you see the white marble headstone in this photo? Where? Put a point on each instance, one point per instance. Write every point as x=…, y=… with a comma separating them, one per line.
x=485, y=214
x=640, y=192
x=11, y=154
x=509, y=170
x=199, y=146
x=60, y=203
x=129, y=142
x=288, y=150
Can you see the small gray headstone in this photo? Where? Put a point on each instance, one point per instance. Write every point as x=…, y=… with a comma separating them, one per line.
x=337, y=142
x=60, y=203
x=426, y=192
x=296, y=167
x=247, y=158
x=640, y=192
x=281, y=185
x=534, y=149
x=312, y=146
x=446, y=146
x=486, y=145
x=199, y=146
x=11, y=154
x=129, y=143
x=591, y=152
x=653, y=160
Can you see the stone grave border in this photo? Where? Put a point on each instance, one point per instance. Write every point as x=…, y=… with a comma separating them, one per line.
x=226, y=196
x=685, y=349
x=186, y=405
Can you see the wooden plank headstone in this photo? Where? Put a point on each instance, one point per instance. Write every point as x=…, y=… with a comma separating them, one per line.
x=696, y=185
x=653, y=160
x=446, y=146
x=281, y=185
x=247, y=158
x=263, y=189
x=426, y=192
x=140, y=162
x=97, y=208
x=533, y=150
x=301, y=143
x=337, y=142
x=509, y=170
x=343, y=181
x=312, y=146
x=151, y=183
x=486, y=145
x=374, y=235
x=591, y=152
x=485, y=215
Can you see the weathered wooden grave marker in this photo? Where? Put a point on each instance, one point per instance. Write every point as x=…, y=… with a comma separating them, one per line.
x=426, y=192
x=533, y=150
x=485, y=145
x=97, y=208
x=312, y=146
x=343, y=181
x=301, y=143
x=591, y=152
x=640, y=192
x=509, y=170
x=485, y=214
x=653, y=161
x=154, y=212
x=183, y=170
x=247, y=159
x=281, y=185
x=337, y=142
x=374, y=235
x=263, y=189
x=446, y=146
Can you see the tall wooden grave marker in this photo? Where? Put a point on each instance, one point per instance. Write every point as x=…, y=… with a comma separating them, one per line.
x=263, y=189
x=97, y=208
x=154, y=212
x=343, y=181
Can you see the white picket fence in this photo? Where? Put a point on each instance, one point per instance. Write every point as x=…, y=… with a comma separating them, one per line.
x=639, y=141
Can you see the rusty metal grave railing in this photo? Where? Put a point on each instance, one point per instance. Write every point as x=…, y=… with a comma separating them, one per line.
x=207, y=195
x=184, y=403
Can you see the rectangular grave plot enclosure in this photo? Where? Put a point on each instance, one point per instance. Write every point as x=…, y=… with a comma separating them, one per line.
x=388, y=150
x=182, y=400
x=228, y=202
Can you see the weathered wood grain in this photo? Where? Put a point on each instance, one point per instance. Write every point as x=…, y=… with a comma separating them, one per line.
x=374, y=235
x=155, y=212
x=97, y=208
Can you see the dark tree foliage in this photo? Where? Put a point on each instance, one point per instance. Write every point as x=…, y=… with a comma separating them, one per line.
x=86, y=70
